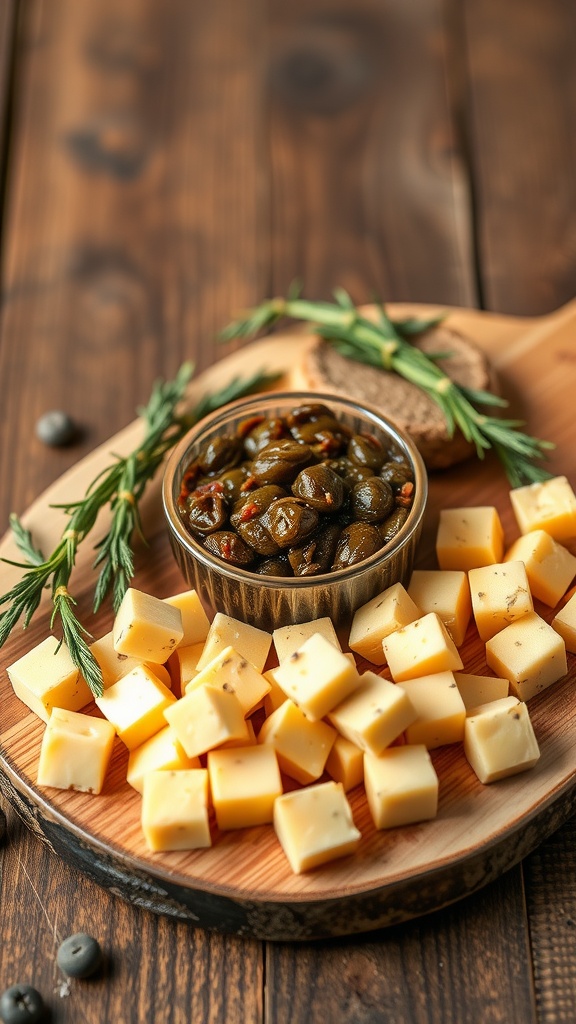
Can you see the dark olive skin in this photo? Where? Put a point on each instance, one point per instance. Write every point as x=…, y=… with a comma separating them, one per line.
x=349, y=471
x=357, y=542
x=255, y=533
x=221, y=453
x=396, y=474
x=279, y=566
x=228, y=546
x=367, y=451
x=233, y=481
x=254, y=503
x=281, y=461
x=290, y=521
x=206, y=512
x=372, y=500
x=320, y=487
x=263, y=434
x=317, y=554
x=390, y=527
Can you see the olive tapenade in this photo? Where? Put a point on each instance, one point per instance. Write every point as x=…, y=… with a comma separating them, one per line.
x=296, y=495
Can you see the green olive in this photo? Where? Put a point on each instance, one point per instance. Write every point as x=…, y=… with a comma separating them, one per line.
x=262, y=434
x=372, y=500
x=390, y=527
x=366, y=450
x=317, y=554
x=206, y=512
x=357, y=542
x=320, y=487
x=281, y=461
x=221, y=453
x=289, y=521
x=230, y=547
x=278, y=566
x=396, y=474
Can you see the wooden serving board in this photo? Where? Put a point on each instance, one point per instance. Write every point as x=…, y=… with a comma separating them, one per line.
x=243, y=884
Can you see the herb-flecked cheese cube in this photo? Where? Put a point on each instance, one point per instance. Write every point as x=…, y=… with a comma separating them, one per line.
x=175, y=810
x=112, y=665
x=162, y=752
x=315, y=825
x=302, y=746
x=206, y=718
x=46, y=678
x=440, y=710
x=549, y=506
x=499, y=740
x=375, y=714
x=183, y=665
x=476, y=690
x=146, y=627
x=564, y=622
x=244, y=785
x=275, y=696
x=230, y=671
x=379, y=617
x=195, y=622
x=135, y=705
x=530, y=654
x=288, y=639
x=469, y=537
x=252, y=643
x=500, y=595
x=401, y=786
x=75, y=751
x=345, y=763
x=550, y=567
x=421, y=648
x=317, y=677
x=446, y=592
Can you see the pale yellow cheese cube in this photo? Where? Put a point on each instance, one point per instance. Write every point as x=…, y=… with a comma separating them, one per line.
x=275, y=696
x=476, y=690
x=206, y=718
x=550, y=567
x=249, y=740
x=317, y=677
x=446, y=592
x=230, y=671
x=112, y=665
x=375, y=714
x=75, y=751
x=162, y=752
x=135, y=705
x=440, y=710
x=288, y=639
x=175, y=810
x=499, y=740
x=195, y=622
x=345, y=763
x=530, y=654
x=252, y=643
x=549, y=506
x=244, y=785
x=469, y=537
x=146, y=627
x=401, y=786
x=421, y=648
x=315, y=825
x=46, y=678
x=183, y=664
x=500, y=595
x=564, y=623
x=302, y=746
x=379, y=617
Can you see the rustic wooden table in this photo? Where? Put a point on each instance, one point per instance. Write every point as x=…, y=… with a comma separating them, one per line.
x=165, y=164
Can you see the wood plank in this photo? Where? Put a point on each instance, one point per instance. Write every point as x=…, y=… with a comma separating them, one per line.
x=369, y=190
x=522, y=84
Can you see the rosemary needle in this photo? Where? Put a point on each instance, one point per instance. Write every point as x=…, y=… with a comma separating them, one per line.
x=385, y=343
x=120, y=486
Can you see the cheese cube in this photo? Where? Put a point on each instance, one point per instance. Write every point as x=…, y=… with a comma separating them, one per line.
x=146, y=627
x=175, y=810
x=183, y=664
x=46, y=678
x=288, y=639
x=302, y=746
x=421, y=648
x=529, y=653
x=275, y=696
x=247, y=741
x=439, y=709
x=345, y=763
x=252, y=643
x=446, y=592
x=244, y=785
x=565, y=624
x=476, y=690
x=230, y=671
x=205, y=718
x=401, y=786
x=549, y=506
x=195, y=622
x=75, y=751
x=379, y=617
x=550, y=568
x=317, y=677
x=162, y=752
x=500, y=595
x=135, y=705
x=469, y=537
x=499, y=740
x=315, y=825
x=112, y=665
x=375, y=714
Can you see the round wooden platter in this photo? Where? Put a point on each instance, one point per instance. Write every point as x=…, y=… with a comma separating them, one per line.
x=243, y=883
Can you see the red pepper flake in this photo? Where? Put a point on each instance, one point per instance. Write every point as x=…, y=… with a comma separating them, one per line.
x=251, y=509
x=214, y=487
x=249, y=483
x=188, y=480
x=406, y=495
x=226, y=548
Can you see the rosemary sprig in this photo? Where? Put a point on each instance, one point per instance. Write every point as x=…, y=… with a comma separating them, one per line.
x=384, y=343
x=120, y=486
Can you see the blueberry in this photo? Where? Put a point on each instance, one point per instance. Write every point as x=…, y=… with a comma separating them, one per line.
x=21, y=1004
x=55, y=428
x=79, y=956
